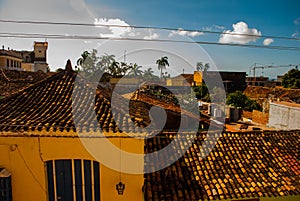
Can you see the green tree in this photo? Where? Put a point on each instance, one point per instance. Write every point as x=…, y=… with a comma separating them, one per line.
x=83, y=57
x=89, y=63
x=162, y=63
x=149, y=74
x=238, y=99
x=201, y=91
x=206, y=66
x=201, y=67
x=106, y=60
x=166, y=75
x=135, y=71
x=291, y=79
x=113, y=68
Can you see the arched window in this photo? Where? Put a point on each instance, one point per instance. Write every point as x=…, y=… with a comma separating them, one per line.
x=5, y=185
x=73, y=180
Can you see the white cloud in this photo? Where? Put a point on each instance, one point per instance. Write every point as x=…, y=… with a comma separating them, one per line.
x=295, y=35
x=268, y=41
x=116, y=28
x=235, y=37
x=109, y=30
x=219, y=27
x=297, y=21
x=182, y=32
x=214, y=28
x=152, y=35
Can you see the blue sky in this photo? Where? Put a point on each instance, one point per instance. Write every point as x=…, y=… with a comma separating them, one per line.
x=274, y=18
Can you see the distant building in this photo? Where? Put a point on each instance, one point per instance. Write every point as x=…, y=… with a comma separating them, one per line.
x=284, y=115
x=263, y=81
x=10, y=59
x=24, y=60
x=232, y=81
x=181, y=80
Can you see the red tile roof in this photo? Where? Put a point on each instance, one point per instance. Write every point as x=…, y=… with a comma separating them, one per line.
x=11, y=81
x=47, y=105
x=240, y=165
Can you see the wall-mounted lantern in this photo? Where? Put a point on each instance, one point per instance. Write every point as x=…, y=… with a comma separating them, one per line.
x=120, y=187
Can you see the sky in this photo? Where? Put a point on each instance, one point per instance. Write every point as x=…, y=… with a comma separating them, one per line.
x=270, y=18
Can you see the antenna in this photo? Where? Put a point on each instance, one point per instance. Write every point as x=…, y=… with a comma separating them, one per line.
x=124, y=56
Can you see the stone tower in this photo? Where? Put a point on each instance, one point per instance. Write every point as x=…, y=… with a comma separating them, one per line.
x=40, y=56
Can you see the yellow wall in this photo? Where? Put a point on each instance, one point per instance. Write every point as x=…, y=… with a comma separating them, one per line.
x=28, y=66
x=27, y=166
x=178, y=81
x=197, y=77
x=3, y=60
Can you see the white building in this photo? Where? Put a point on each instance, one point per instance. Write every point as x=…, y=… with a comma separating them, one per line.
x=284, y=115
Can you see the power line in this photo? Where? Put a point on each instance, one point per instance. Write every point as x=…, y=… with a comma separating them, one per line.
x=142, y=27
x=30, y=170
x=85, y=37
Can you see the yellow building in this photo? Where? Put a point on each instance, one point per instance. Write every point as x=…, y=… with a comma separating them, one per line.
x=33, y=61
x=47, y=159
x=10, y=59
x=198, y=78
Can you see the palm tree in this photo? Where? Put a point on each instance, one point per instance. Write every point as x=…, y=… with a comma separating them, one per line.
x=113, y=68
x=135, y=70
x=206, y=66
x=106, y=60
x=199, y=66
x=149, y=72
x=161, y=64
x=83, y=57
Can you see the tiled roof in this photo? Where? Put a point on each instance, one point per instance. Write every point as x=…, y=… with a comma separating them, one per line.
x=47, y=105
x=11, y=81
x=240, y=165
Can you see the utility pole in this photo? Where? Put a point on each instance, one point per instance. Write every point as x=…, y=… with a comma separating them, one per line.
x=124, y=56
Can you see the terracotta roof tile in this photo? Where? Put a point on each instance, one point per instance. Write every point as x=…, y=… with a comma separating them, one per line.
x=47, y=105
x=11, y=81
x=240, y=165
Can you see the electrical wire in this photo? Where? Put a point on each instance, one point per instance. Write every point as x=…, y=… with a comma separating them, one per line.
x=86, y=37
x=141, y=27
x=29, y=169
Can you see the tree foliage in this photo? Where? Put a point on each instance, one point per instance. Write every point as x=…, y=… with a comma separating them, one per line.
x=238, y=99
x=201, y=92
x=162, y=63
x=149, y=75
x=291, y=79
x=201, y=67
x=94, y=66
